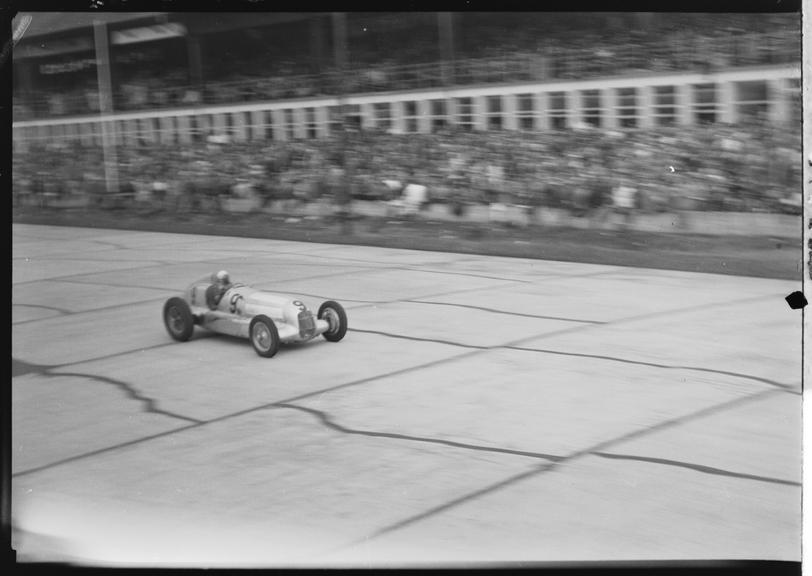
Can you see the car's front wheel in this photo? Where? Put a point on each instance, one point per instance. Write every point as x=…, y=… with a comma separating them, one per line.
x=264, y=336
x=335, y=316
x=178, y=319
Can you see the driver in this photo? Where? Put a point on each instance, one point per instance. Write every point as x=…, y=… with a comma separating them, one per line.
x=221, y=282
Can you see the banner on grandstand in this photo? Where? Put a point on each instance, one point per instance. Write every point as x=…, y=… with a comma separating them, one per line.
x=65, y=67
x=52, y=47
x=148, y=33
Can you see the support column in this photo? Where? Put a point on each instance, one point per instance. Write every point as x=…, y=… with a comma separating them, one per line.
x=219, y=124
x=167, y=135
x=480, y=112
x=257, y=125
x=102, y=44
x=509, y=110
x=611, y=98
x=148, y=130
x=645, y=107
x=398, y=120
x=451, y=111
x=367, y=116
x=575, y=108
x=542, y=122
x=204, y=126
x=280, y=131
x=685, y=105
x=299, y=123
x=240, y=129
x=184, y=130
x=727, y=108
x=424, y=116
x=778, y=94
x=322, y=122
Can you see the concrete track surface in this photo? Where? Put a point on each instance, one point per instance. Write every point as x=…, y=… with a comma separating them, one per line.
x=480, y=409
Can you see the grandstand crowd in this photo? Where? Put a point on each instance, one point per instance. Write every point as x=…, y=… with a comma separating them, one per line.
x=722, y=168
x=407, y=58
x=751, y=166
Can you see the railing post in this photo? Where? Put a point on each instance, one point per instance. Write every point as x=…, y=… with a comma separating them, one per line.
x=105, y=90
x=445, y=21
x=343, y=197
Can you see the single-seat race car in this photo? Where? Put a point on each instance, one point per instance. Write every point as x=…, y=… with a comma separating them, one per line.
x=266, y=319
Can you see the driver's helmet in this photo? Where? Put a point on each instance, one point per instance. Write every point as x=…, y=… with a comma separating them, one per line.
x=222, y=278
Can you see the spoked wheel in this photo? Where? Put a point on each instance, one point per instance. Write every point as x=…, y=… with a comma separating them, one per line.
x=264, y=336
x=334, y=314
x=178, y=319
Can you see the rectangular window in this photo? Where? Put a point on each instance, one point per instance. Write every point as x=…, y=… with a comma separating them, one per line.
x=665, y=105
x=439, y=114
x=465, y=117
x=705, y=103
x=247, y=122
x=410, y=116
x=144, y=131
x=354, y=116
x=627, y=107
x=334, y=119
x=310, y=122
x=229, y=125
x=168, y=130
x=290, y=123
x=383, y=115
x=494, y=112
x=591, y=106
x=194, y=129
x=558, y=110
x=752, y=99
x=267, y=124
x=526, y=111
x=121, y=133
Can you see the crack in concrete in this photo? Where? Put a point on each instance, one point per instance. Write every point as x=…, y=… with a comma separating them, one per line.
x=325, y=419
x=769, y=382
x=697, y=468
x=419, y=339
x=786, y=387
x=150, y=404
x=554, y=465
x=61, y=311
x=91, y=311
x=506, y=312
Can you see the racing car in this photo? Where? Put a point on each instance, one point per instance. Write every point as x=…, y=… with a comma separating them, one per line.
x=266, y=319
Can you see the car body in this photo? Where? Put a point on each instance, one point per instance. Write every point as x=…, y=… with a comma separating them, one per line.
x=265, y=318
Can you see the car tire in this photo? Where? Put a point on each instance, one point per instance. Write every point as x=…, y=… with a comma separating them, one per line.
x=178, y=319
x=264, y=336
x=334, y=313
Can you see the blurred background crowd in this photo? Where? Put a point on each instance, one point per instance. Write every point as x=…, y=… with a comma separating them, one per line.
x=740, y=168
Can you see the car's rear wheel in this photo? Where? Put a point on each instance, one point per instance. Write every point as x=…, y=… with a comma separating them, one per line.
x=335, y=315
x=264, y=336
x=178, y=319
